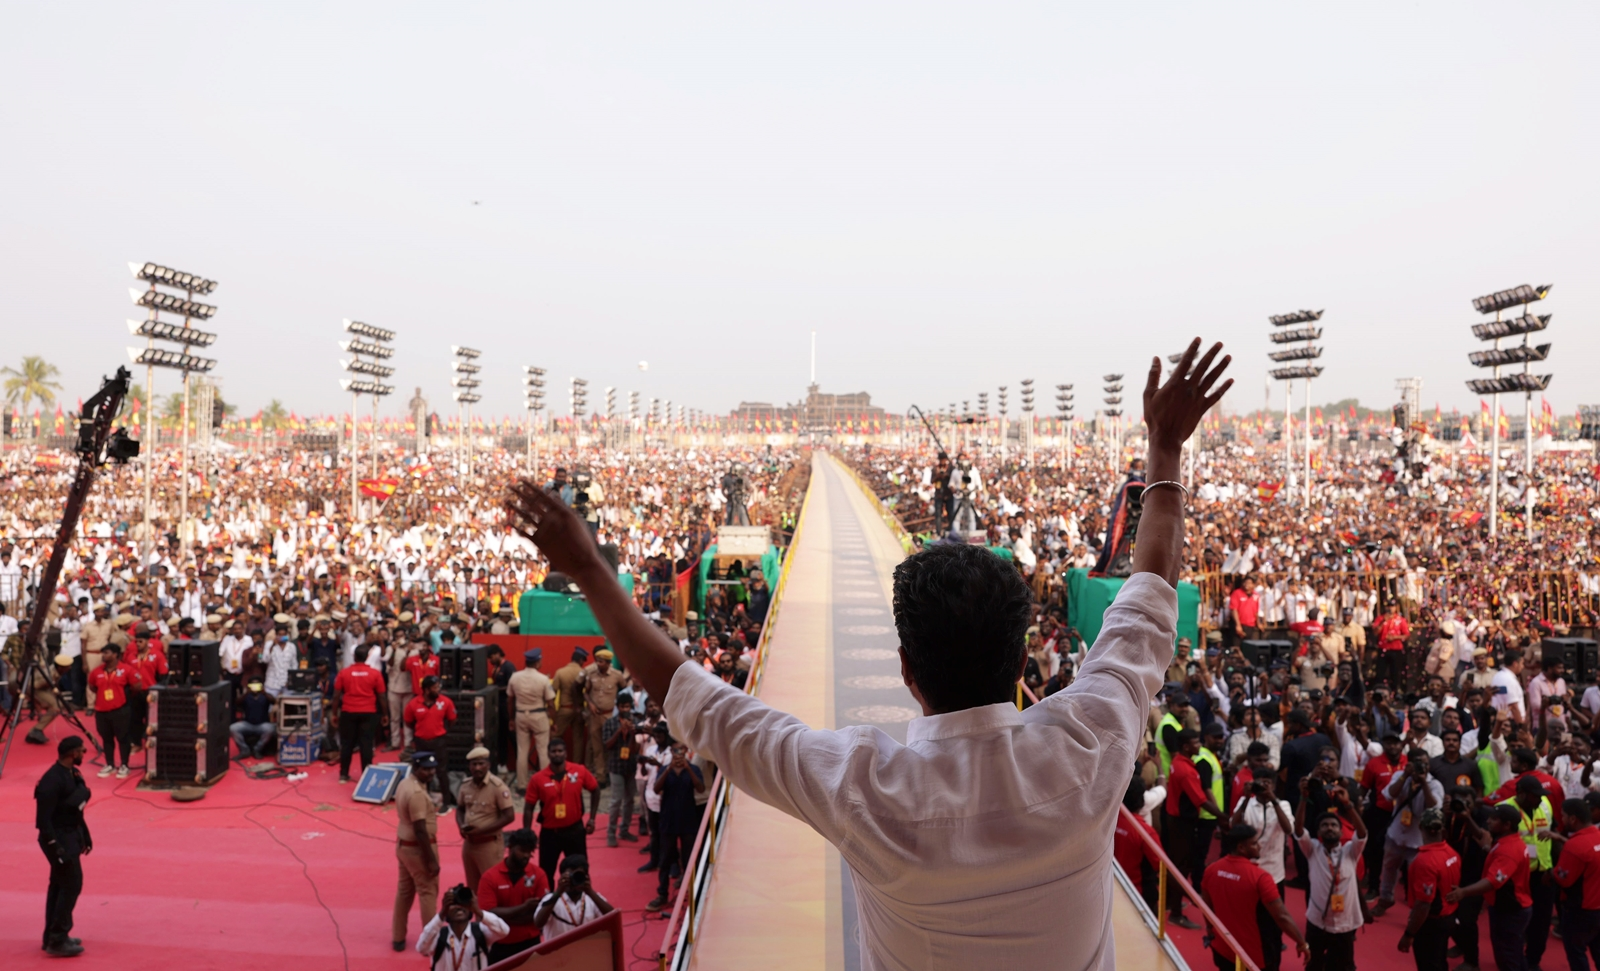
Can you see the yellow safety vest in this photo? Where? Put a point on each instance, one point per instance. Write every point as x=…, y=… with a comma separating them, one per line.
x=1210, y=759
x=1161, y=745
x=1530, y=826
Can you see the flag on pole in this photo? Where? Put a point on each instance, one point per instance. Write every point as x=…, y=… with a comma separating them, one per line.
x=378, y=488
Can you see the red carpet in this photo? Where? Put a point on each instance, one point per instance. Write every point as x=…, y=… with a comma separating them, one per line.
x=258, y=876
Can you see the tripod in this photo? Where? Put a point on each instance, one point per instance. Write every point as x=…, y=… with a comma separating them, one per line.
x=35, y=678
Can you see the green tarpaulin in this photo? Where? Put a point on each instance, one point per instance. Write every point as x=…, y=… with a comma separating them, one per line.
x=771, y=561
x=548, y=612
x=1088, y=597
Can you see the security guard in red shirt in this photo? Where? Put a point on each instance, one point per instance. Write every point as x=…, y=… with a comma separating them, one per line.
x=1505, y=875
x=1181, y=825
x=1435, y=871
x=557, y=789
x=110, y=684
x=1577, y=870
x=429, y=714
x=511, y=890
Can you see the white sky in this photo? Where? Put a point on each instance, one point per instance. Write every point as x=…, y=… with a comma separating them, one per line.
x=952, y=196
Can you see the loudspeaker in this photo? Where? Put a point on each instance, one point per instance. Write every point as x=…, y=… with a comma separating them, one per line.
x=1262, y=653
x=194, y=663
x=447, y=666
x=301, y=681
x=188, y=734
x=472, y=667
x=1580, y=654
x=477, y=723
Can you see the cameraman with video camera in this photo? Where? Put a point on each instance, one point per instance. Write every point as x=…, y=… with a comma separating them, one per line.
x=459, y=938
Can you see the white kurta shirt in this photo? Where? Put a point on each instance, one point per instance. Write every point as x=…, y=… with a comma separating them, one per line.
x=954, y=840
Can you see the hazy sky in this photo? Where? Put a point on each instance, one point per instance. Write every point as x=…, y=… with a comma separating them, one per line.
x=952, y=196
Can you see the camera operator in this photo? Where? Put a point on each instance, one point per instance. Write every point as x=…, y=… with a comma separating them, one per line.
x=574, y=901
x=459, y=938
x=1261, y=809
x=1466, y=830
x=1412, y=792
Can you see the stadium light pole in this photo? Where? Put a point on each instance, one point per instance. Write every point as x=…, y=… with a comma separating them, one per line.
x=1064, y=413
x=533, y=400
x=154, y=329
x=1495, y=358
x=578, y=405
x=367, y=346
x=1113, y=400
x=465, y=382
x=1027, y=421
x=1305, y=335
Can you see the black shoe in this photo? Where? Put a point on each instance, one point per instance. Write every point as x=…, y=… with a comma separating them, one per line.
x=1454, y=952
x=648, y=868
x=656, y=904
x=65, y=949
x=35, y=737
x=398, y=945
x=628, y=837
x=1179, y=920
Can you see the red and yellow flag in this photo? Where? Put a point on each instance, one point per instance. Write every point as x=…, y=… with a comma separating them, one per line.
x=378, y=488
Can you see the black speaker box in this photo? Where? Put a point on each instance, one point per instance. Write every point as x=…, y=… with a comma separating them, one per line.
x=194, y=663
x=301, y=681
x=472, y=667
x=188, y=734
x=447, y=666
x=1580, y=654
x=1262, y=653
x=477, y=723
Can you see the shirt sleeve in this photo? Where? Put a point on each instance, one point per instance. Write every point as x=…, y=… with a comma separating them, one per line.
x=494, y=927
x=430, y=936
x=770, y=754
x=1422, y=889
x=48, y=796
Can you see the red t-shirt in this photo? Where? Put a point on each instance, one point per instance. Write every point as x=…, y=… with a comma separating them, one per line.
x=561, y=798
x=419, y=667
x=1376, y=776
x=1508, y=789
x=1506, y=869
x=1392, y=633
x=361, y=686
x=110, y=688
x=1435, y=871
x=1578, y=868
x=153, y=666
x=497, y=889
x=1129, y=849
x=1245, y=606
x=1237, y=887
x=428, y=720
x=1183, y=786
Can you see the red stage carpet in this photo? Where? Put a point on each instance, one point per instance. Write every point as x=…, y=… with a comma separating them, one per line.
x=258, y=876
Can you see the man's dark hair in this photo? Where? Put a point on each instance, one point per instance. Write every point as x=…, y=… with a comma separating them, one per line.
x=574, y=862
x=72, y=743
x=1524, y=759
x=961, y=613
x=525, y=839
x=1577, y=809
x=1508, y=814
x=1236, y=835
x=1257, y=748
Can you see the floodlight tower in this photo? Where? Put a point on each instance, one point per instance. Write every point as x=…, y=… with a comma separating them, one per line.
x=466, y=368
x=633, y=421
x=1308, y=351
x=533, y=401
x=1064, y=414
x=1003, y=428
x=367, y=346
x=578, y=405
x=1113, y=400
x=1523, y=324
x=1027, y=421
x=153, y=329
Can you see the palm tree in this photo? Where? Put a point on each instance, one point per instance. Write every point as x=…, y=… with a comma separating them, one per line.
x=172, y=410
x=135, y=393
x=274, y=415
x=31, y=384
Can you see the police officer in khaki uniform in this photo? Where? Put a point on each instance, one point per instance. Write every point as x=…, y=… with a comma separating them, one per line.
x=417, y=848
x=483, y=809
x=602, y=682
x=568, y=682
x=531, y=694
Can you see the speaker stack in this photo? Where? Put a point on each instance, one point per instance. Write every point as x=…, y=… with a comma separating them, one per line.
x=477, y=723
x=463, y=667
x=1580, y=654
x=188, y=735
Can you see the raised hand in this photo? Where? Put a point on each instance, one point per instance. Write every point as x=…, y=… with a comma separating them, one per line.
x=1173, y=410
x=549, y=524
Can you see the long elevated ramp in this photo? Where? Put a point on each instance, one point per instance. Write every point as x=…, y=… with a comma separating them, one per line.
x=779, y=893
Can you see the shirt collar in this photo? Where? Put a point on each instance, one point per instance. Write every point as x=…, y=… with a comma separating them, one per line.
x=968, y=721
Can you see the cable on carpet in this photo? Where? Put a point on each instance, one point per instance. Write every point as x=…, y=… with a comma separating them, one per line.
x=305, y=870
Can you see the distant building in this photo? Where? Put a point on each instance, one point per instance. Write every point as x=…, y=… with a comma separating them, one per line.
x=817, y=410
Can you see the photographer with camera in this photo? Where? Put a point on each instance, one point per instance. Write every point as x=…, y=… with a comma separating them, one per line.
x=1466, y=830
x=1333, y=905
x=1412, y=791
x=459, y=939
x=1261, y=809
x=573, y=903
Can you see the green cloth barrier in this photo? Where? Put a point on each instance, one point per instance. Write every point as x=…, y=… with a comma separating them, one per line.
x=549, y=612
x=1088, y=597
x=771, y=562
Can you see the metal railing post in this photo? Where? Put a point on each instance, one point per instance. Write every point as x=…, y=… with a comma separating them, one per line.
x=1161, y=902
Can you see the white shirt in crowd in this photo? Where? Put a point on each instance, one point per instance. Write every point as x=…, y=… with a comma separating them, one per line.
x=954, y=839
x=1505, y=690
x=568, y=914
x=1273, y=838
x=460, y=953
x=232, y=652
x=1333, y=904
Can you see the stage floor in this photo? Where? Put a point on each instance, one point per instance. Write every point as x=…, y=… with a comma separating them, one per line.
x=258, y=876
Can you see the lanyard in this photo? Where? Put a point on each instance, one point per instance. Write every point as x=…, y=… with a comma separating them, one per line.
x=1335, y=866
x=458, y=955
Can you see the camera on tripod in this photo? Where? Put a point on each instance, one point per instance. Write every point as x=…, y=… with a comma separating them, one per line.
x=581, y=479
